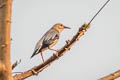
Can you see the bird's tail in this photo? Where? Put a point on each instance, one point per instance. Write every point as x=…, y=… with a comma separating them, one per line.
x=32, y=55
x=35, y=52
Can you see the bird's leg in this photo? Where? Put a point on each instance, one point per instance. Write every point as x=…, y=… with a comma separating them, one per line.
x=54, y=53
x=52, y=49
x=42, y=57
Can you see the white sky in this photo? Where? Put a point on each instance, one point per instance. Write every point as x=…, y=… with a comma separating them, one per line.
x=95, y=55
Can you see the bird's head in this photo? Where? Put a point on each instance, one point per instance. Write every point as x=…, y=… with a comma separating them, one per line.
x=59, y=27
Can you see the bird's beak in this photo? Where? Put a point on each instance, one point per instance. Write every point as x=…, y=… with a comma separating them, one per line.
x=67, y=27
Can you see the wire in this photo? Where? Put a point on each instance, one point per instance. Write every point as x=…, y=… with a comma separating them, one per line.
x=98, y=12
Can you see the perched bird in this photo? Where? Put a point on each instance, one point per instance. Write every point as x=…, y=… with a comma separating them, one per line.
x=50, y=39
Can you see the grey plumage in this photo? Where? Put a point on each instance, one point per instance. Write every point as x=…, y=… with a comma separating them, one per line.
x=46, y=40
x=50, y=39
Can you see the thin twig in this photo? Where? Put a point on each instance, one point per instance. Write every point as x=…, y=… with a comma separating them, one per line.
x=62, y=51
x=15, y=64
x=112, y=76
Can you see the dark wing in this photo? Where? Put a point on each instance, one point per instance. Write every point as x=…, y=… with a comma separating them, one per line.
x=45, y=41
x=50, y=38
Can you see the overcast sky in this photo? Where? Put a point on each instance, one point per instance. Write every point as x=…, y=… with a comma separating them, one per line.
x=95, y=55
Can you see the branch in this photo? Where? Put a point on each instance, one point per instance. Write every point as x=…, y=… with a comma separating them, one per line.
x=2, y=5
x=15, y=64
x=112, y=76
x=61, y=52
x=5, y=18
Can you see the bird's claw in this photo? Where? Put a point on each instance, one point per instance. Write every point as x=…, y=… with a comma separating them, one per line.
x=67, y=41
x=56, y=55
x=57, y=51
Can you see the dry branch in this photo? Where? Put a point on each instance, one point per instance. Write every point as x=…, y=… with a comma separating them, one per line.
x=5, y=22
x=69, y=43
x=112, y=76
x=39, y=68
x=15, y=64
x=2, y=5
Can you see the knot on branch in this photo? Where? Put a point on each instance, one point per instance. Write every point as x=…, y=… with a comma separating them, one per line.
x=84, y=27
x=4, y=45
x=34, y=72
x=2, y=67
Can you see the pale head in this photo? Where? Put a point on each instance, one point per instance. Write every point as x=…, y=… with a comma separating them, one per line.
x=59, y=27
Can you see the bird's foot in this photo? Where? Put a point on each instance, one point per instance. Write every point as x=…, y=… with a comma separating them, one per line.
x=67, y=42
x=57, y=51
x=56, y=55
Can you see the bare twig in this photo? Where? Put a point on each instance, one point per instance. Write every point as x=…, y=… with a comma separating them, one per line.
x=15, y=64
x=62, y=51
x=112, y=76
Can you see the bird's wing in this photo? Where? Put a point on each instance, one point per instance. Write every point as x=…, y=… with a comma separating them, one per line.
x=50, y=37
x=46, y=40
x=39, y=44
x=38, y=47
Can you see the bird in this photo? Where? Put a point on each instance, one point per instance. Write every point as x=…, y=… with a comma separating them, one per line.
x=49, y=39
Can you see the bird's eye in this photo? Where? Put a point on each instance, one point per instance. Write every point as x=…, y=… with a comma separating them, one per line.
x=61, y=25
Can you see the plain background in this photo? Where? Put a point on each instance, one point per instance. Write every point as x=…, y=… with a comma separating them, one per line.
x=95, y=55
